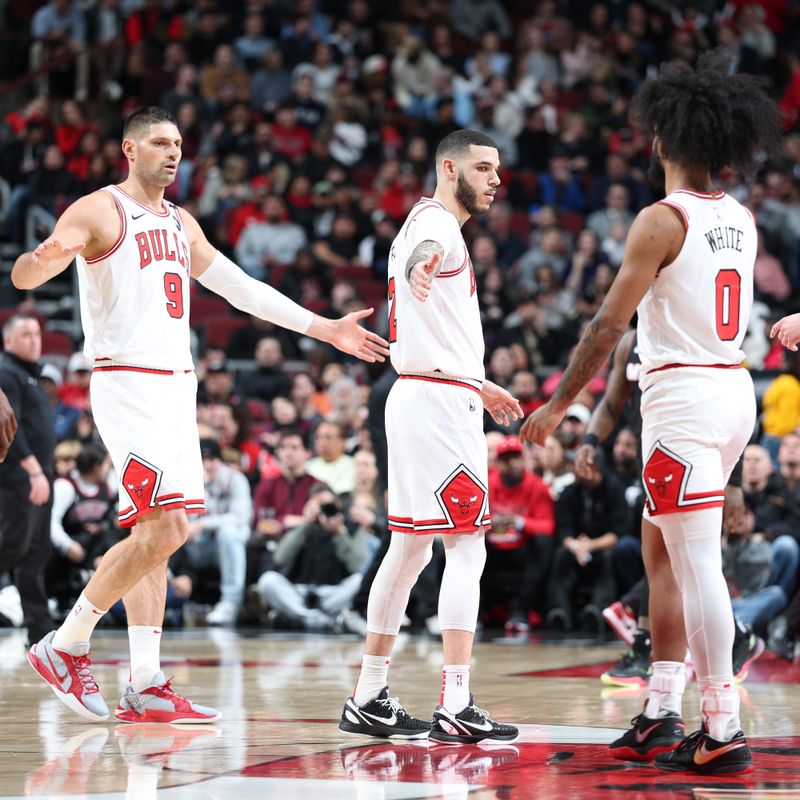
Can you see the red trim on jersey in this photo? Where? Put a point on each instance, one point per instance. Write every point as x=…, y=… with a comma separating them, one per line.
x=718, y=195
x=752, y=215
x=434, y=531
x=448, y=381
x=142, y=205
x=121, y=368
x=704, y=366
x=425, y=205
x=123, y=230
x=453, y=272
x=692, y=507
x=128, y=517
x=716, y=494
x=677, y=207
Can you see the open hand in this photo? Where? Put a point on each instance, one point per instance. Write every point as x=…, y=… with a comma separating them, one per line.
x=349, y=337
x=421, y=275
x=53, y=250
x=502, y=406
x=787, y=331
x=540, y=424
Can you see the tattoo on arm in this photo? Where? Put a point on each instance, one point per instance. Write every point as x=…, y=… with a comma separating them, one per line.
x=593, y=349
x=423, y=252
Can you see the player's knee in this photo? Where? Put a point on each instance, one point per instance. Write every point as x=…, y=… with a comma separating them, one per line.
x=172, y=532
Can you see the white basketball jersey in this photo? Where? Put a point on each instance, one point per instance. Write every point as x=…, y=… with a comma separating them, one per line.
x=697, y=310
x=135, y=296
x=444, y=333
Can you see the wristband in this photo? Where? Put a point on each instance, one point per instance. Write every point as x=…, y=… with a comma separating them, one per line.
x=591, y=439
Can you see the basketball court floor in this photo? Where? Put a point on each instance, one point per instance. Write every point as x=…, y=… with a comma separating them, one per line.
x=281, y=696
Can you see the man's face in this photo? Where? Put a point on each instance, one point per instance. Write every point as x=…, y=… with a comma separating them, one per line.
x=523, y=385
x=789, y=451
x=328, y=442
x=219, y=384
x=477, y=179
x=291, y=453
x=268, y=353
x=155, y=155
x=511, y=468
x=625, y=447
x=756, y=466
x=24, y=340
x=211, y=467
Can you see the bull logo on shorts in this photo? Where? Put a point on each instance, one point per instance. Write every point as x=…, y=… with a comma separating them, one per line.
x=141, y=481
x=464, y=501
x=660, y=484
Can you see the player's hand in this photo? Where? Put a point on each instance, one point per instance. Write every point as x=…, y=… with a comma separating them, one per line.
x=421, y=277
x=733, y=510
x=502, y=406
x=540, y=424
x=349, y=337
x=40, y=489
x=8, y=425
x=584, y=459
x=53, y=250
x=787, y=330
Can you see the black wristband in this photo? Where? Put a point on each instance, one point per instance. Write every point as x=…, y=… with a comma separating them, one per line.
x=591, y=439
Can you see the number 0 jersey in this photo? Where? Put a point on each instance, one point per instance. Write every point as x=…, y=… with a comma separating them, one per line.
x=135, y=296
x=443, y=334
x=697, y=310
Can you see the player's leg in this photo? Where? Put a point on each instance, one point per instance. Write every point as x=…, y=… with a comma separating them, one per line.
x=457, y=719
x=371, y=710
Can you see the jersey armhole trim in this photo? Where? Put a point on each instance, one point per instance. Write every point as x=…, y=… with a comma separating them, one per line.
x=752, y=216
x=123, y=230
x=458, y=270
x=679, y=208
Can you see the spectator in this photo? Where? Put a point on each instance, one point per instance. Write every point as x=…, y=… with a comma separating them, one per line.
x=276, y=240
x=471, y=18
x=553, y=460
x=268, y=380
x=519, y=545
x=331, y=465
x=414, y=70
x=509, y=246
x=224, y=73
x=26, y=473
x=74, y=393
x=64, y=417
x=320, y=561
x=253, y=45
x=217, y=385
x=781, y=404
x=272, y=84
x=219, y=539
x=616, y=212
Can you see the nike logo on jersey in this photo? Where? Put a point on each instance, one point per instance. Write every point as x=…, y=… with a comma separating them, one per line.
x=138, y=216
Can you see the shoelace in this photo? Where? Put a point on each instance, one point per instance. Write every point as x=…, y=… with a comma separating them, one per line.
x=484, y=715
x=689, y=742
x=393, y=704
x=167, y=689
x=83, y=669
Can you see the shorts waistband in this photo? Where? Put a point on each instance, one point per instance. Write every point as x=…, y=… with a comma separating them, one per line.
x=441, y=377
x=702, y=366
x=107, y=365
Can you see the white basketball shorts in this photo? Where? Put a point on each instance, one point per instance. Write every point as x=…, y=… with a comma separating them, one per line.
x=437, y=457
x=148, y=422
x=696, y=422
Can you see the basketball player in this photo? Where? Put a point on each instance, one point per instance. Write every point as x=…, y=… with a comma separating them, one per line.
x=136, y=255
x=437, y=451
x=689, y=267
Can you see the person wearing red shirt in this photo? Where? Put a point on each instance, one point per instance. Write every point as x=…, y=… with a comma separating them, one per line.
x=520, y=543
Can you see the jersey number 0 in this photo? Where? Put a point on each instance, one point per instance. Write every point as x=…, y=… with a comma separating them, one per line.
x=728, y=292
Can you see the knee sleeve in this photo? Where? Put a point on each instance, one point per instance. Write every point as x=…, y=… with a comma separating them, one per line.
x=693, y=541
x=460, y=594
x=405, y=559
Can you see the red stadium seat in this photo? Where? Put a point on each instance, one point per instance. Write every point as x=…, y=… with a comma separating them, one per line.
x=56, y=343
x=203, y=307
x=218, y=330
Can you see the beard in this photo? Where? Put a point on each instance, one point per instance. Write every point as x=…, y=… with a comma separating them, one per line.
x=468, y=197
x=655, y=174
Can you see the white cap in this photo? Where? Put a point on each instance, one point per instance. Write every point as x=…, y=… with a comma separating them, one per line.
x=580, y=412
x=52, y=373
x=78, y=362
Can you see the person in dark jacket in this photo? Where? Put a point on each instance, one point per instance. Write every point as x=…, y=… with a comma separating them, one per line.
x=26, y=473
x=321, y=562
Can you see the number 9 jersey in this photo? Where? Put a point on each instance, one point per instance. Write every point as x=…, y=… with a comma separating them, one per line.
x=697, y=310
x=135, y=296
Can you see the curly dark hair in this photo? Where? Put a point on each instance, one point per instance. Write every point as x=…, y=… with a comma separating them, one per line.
x=706, y=117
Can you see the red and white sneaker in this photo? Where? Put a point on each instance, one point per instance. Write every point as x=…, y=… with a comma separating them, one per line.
x=621, y=621
x=159, y=703
x=69, y=674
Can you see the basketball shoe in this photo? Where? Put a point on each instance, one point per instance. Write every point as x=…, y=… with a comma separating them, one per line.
x=69, y=673
x=621, y=620
x=747, y=647
x=159, y=703
x=383, y=716
x=469, y=726
x=454, y=764
x=634, y=668
x=648, y=738
x=703, y=755
x=68, y=772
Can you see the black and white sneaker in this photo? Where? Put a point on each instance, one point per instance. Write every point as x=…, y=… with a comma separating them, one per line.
x=469, y=726
x=383, y=717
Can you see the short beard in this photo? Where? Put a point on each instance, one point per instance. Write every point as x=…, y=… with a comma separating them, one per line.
x=655, y=174
x=467, y=196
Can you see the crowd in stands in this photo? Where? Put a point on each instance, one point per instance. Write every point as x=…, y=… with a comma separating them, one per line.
x=308, y=133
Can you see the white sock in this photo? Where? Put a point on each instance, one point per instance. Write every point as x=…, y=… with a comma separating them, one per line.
x=455, y=687
x=719, y=706
x=78, y=625
x=145, y=646
x=372, y=678
x=666, y=689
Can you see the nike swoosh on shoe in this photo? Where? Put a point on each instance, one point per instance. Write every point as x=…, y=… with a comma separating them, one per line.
x=383, y=720
x=703, y=756
x=642, y=735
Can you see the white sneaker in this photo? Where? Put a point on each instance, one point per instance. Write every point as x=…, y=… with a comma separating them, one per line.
x=224, y=613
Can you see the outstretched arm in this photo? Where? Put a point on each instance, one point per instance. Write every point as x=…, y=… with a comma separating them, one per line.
x=219, y=274
x=422, y=267
x=655, y=238
x=788, y=331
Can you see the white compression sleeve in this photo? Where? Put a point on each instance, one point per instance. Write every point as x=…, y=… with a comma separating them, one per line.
x=224, y=278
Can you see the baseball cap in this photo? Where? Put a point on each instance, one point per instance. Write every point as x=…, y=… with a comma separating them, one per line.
x=209, y=448
x=579, y=412
x=79, y=363
x=217, y=365
x=52, y=373
x=509, y=444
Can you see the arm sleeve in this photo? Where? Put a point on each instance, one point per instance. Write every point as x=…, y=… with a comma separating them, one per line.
x=63, y=497
x=224, y=278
